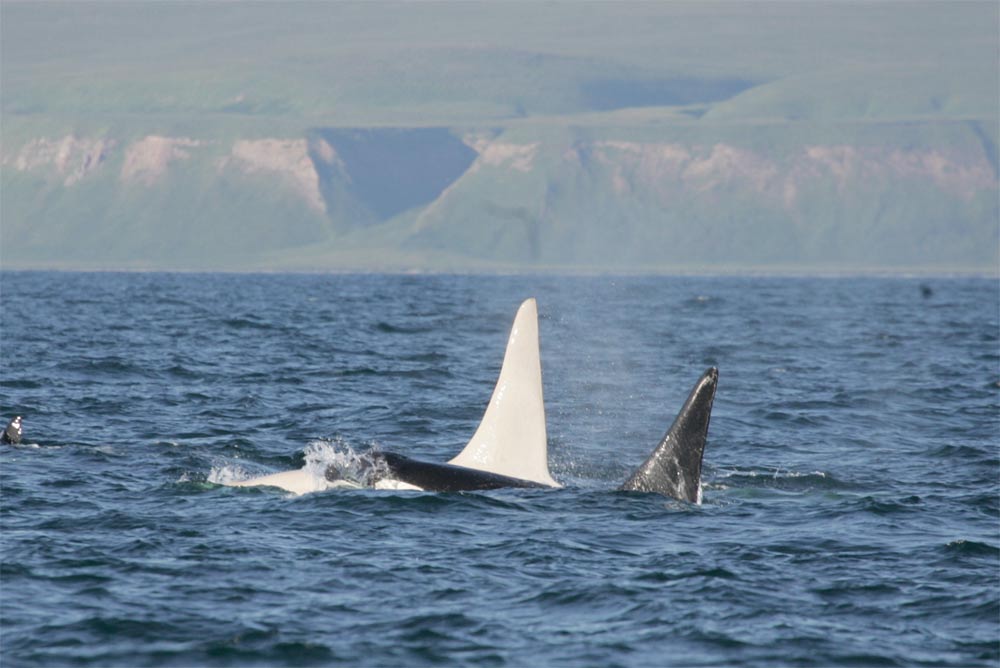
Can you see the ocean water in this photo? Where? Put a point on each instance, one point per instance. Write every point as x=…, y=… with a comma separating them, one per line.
x=851, y=511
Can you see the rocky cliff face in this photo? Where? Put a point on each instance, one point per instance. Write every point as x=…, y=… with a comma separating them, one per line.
x=150, y=160
x=652, y=202
x=591, y=198
x=68, y=159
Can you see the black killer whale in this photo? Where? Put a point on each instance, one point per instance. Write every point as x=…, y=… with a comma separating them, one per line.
x=12, y=434
x=509, y=448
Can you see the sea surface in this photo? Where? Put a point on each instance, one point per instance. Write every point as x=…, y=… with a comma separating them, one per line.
x=851, y=511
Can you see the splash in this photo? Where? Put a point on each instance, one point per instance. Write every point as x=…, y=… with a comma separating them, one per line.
x=339, y=464
x=778, y=478
x=774, y=473
x=227, y=473
x=29, y=446
x=328, y=464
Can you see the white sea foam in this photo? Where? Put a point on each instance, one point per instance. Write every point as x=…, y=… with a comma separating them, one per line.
x=356, y=469
x=30, y=446
x=227, y=473
x=775, y=473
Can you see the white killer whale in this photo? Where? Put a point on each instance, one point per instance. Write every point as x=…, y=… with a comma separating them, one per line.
x=510, y=441
x=510, y=449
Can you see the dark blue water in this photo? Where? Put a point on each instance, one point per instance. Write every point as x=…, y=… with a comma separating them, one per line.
x=851, y=508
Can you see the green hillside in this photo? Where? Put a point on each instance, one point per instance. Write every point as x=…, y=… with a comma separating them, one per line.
x=429, y=136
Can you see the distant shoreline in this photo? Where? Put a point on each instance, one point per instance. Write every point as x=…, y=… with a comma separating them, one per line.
x=575, y=272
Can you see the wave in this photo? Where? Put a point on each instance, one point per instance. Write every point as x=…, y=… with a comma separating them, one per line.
x=889, y=505
x=109, y=366
x=22, y=384
x=971, y=548
x=778, y=478
x=247, y=323
x=388, y=328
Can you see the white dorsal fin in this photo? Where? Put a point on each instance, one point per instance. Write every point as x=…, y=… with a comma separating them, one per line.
x=511, y=437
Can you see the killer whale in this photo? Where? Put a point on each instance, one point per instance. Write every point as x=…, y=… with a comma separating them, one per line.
x=510, y=444
x=12, y=434
x=510, y=449
x=674, y=467
x=392, y=470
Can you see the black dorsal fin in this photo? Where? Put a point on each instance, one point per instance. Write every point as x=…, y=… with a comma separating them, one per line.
x=674, y=468
x=12, y=434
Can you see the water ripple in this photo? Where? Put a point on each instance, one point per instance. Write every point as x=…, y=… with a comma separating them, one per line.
x=850, y=510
